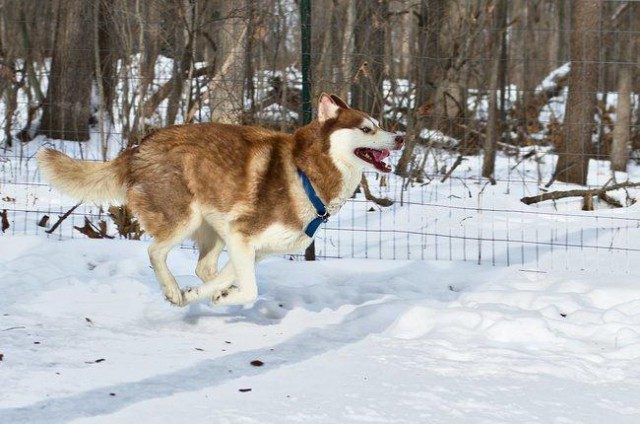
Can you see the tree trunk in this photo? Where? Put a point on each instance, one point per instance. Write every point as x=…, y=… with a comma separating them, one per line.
x=369, y=41
x=66, y=109
x=429, y=23
x=108, y=54
x=253, y=22
x=346, y=67
x=496, y=84
x=150, y=42
x=622, y=129
x=338, y=26
x=182, y=58
x=148, y=15
x=226, y=91
x=627, y=41
x=573, y=160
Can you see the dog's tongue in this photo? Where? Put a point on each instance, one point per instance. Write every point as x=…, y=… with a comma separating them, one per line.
x=380, y=154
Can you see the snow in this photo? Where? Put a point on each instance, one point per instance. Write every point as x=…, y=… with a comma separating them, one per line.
x=550, y=80
x=341, y=341
x=438, y=137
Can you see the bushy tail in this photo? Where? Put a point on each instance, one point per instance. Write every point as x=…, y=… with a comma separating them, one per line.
x=100, y=182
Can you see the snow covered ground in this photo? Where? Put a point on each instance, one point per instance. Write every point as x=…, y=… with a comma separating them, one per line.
x=87, y=337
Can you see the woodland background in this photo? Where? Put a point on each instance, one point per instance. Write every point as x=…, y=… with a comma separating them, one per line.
x=469, y=71
x=536, y=99
x=499, y=261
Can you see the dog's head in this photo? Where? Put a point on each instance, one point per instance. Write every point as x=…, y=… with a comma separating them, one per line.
x=355, y=137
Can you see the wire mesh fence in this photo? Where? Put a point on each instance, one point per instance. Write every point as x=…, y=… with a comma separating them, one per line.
x=500, y=101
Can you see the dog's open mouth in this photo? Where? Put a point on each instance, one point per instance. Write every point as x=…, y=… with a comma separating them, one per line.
x=375, y=157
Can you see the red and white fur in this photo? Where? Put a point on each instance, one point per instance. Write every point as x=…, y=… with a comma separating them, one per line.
x=230, y=186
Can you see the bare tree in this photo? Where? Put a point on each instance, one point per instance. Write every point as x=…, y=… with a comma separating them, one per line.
x=429, y=21
x=622, y=130
x=67, y=109
x=496, y=87
x=147, y=15
x=573, y=159
x=108, y=53
x=369, y=56
x=226, y=90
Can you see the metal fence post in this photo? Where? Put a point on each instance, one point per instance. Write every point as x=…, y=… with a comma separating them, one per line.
x=305, y=44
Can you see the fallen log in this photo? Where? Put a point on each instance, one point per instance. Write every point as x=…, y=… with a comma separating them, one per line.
x=555, y=195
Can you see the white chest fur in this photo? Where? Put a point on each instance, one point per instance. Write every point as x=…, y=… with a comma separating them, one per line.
x=278, y=238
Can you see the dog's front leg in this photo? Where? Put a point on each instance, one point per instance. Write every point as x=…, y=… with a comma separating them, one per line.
x=212, y=288
x=243, y=259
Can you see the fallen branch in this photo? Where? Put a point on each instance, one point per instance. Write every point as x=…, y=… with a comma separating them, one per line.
x=457, y=163
x=555, y=195
x=610, y=200
x=62, y=218
x=382, y=201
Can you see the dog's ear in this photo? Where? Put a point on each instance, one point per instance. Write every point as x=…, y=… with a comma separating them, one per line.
x=327, y=108
x=341, y=103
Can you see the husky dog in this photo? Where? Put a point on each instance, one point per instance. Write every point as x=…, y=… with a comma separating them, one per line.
x=253, y=190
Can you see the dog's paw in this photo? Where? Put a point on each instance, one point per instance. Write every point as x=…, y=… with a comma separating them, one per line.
x=175, y=297
x=190, y=294
x=233, y=296
x=218, y=295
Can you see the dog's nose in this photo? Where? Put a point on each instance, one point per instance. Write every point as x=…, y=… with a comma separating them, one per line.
x=399, y=140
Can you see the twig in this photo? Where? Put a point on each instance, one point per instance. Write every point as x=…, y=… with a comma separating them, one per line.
x=457, y=163
x=62, y=218
x=558, y=172
x=491, y=181
x=464, y=183
x=524, y=157
x=471, y=130
x=509, y=148
x=14, y=328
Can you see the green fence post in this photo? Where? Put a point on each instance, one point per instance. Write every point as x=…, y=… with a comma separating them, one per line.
x=305, y=44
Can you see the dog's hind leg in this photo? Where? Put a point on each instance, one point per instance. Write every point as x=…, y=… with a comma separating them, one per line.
x=210, y=246
x=158, y=252
x=243, y=258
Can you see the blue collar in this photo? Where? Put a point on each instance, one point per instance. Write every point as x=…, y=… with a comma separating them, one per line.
x=322, y=215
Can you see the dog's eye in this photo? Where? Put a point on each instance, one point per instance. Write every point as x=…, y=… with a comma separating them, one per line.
x=365, y=130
